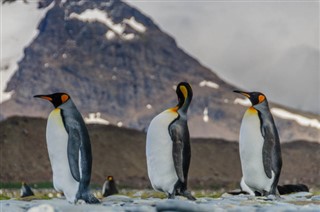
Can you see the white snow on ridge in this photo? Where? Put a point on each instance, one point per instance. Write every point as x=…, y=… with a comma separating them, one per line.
x=244, y=102
x=135, y=25
x=119, y=124
x=110, y=35
x=16, y=34
x=128, y=36
x=92, y=15
x=95, y=118
x=205, y=115
x=209, y=84
x=302, y=120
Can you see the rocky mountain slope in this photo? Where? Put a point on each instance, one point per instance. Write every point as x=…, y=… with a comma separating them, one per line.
x=114, y=60
x=120, y=152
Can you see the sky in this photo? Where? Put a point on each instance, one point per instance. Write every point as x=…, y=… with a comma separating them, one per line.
x=270, y=46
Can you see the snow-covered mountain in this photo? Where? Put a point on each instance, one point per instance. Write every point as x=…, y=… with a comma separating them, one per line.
x=120, y=68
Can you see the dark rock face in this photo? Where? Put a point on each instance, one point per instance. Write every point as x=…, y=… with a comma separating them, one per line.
x=119, y=75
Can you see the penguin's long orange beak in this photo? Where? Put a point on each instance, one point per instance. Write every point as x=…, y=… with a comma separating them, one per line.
x=43, y=97
x=243, y=93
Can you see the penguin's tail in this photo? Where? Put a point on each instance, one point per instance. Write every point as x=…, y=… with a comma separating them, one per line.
x=290, y=188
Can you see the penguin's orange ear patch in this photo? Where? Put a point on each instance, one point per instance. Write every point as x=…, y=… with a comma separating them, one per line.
x=261, y=98
x=64, y=98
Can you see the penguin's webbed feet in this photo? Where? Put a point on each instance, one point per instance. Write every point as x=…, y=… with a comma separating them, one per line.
x=171, y=196
x=89, y=198
x=188, y=195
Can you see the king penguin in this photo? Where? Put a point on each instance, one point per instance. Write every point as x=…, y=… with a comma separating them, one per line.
x=69, y=149
x=168, y=148
x=109, y=187
x=259, y=147
x=25, y=190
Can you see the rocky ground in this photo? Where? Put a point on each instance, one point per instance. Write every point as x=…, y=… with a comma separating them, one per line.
x=148, y=201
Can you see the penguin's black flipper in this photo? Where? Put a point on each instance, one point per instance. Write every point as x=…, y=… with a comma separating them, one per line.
x=73, y=153
x=268, y=146
x=177, y=150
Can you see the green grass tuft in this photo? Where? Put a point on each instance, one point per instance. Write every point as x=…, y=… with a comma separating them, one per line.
x=3, y=197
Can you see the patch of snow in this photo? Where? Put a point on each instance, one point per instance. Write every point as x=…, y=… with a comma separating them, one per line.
x=174, y=87
x=96, y=15
x=46, y=65
x=16, y=34
x=302, y=120
x=148, y=106
x=81, y=2
x=226, y=100
x=95, y=118
x=209, y=84
x=244, y=102
x=119, y=124
x=135, y=25
x=128, y=36
x=110, y=35
x=64, y=56
x=205, y=115
x=114, y=77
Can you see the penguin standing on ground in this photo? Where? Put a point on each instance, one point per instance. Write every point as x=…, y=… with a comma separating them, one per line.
x=69, y=149
x=259, y=147
x=168, y=148
x=109, y=187
x=25, y=190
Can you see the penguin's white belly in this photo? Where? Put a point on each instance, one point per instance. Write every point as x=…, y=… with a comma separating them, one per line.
x=161, y=170
x=57, y=142
x=251, y=145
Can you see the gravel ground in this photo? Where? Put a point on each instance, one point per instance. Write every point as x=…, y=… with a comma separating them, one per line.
x=295, y=202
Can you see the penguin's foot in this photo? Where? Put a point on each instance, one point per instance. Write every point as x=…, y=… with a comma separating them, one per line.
x=89, y=198
x=171, y=196
x=188, y=195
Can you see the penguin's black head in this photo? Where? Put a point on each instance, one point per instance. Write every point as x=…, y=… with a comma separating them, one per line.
x=56, y=99
x=184, y=92
x=254, y=97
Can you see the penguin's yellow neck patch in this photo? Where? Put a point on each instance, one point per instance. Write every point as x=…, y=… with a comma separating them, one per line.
x=56, y=110
x=252, y=110
x=174, y=109
x=55, y=116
